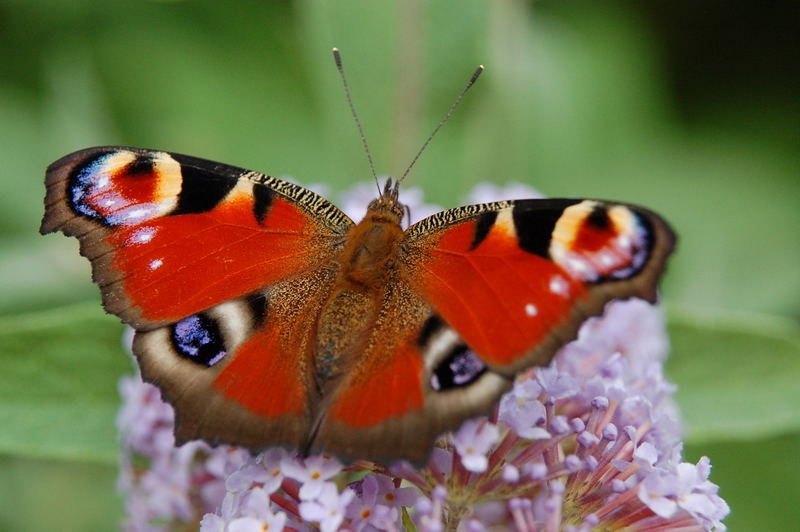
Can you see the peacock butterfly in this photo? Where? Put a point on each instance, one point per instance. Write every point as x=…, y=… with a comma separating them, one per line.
x=266, y=316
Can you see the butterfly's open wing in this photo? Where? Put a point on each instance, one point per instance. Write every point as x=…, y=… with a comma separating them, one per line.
x=170, y=235
x=481, y=293
x=516, y=279
x=190, y=253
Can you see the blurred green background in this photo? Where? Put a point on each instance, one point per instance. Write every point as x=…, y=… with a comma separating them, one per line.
x=688, y=107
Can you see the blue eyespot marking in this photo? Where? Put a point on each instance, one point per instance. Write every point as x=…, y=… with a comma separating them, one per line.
x=461, y=368
x=87, y=181
x=198, y=338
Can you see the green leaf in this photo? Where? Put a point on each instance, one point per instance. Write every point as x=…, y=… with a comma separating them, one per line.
x=58, y=383
x=42, y=273
x=77, y=495
x=738, y=376
x=758, y=479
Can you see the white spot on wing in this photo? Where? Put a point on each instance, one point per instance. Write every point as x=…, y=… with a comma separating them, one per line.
x=558, y=285
x=606, y=259
x=531, y=310
x=154, y=265
x=136, y=213
x=143, y=235
x=577, y=265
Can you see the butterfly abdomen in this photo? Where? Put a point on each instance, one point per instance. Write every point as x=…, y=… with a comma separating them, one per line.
x=341, y=332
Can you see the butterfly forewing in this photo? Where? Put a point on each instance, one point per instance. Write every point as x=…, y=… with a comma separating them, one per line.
x=516, y=279
x=171, y=235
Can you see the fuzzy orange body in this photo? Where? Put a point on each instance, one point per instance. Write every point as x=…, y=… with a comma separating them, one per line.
x=364, y=266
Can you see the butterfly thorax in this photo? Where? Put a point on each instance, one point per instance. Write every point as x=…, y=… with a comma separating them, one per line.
x=365, y=265
x=372, y=244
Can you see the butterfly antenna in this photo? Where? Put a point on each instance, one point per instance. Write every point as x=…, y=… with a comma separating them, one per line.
x=337, y=57
x=471, y=82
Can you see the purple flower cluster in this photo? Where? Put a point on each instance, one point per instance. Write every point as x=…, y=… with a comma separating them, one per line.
x=590, y=443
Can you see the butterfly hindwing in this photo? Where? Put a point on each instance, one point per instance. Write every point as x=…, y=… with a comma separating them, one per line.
x=516, y=279
x=239, y=372
x=171, y=235
x=415, y=380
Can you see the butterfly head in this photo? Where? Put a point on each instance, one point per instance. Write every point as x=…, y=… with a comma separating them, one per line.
x=388, y=203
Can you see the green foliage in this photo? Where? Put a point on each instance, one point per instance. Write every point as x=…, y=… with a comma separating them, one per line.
x=738, y=376
x=759, y=479
x=739, y=397
x=58, y=384
x=46, y=495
